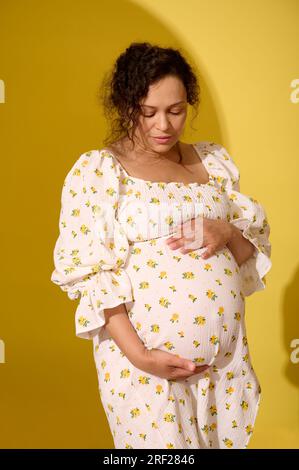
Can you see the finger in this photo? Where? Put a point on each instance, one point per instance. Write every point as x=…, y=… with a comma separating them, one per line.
x=199, y=369
x=210, y=251
x=182, y=363
x=174, y=245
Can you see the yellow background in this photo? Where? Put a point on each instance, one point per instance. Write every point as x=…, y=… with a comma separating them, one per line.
x=53, y=55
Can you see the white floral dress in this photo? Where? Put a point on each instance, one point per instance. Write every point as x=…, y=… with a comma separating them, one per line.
x=111, y=249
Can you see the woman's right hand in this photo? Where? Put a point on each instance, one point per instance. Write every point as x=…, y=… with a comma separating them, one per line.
x=168, y=366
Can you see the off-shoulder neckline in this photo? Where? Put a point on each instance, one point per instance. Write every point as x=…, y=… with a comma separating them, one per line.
x=210, y=182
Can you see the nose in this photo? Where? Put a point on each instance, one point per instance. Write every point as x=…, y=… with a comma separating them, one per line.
x=162, y=122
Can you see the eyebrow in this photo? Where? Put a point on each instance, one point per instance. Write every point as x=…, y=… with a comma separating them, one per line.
x=146, y=105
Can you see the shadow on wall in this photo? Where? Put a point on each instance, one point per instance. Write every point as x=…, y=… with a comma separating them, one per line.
x=54, y=59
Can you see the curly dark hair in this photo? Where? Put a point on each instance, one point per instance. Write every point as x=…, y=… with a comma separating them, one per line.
x=127, y=83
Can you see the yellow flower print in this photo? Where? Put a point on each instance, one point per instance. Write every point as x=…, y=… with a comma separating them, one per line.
x=83, y=321
x=107, y=377
x=228, y=272
x=169, y=345
x=228, y=442
x=208, y=267
x=200, y=320
x=76, y=260
x=244, y=405
x=249, y=385
x=122, y=395
x=155, y=328
x=138, y=326
x=136, y=251
x=192, y=297
x=237, y=316
x=130, y=221
x=75, y=212
x=135, y=412
x=193, y=255
x=170, y=195
x=213, y=426
x=234, y=424
x=214, y=340
x=169, y=445
x=230, y=390
x=144, y=285
x=125, y=373
x=77, y=172
x=127, y=180
x=129, y=432
x=211, y=384
x=152, y=263
x=205, y=429
x=154, y=425
x=84, y=229
x=159, y=389
x=220, y=311
x=174, y=318
x=249, y=429
x=199, y=360
x=188, y=275
x=169, y=418
x=128, y=446
x=173, y=288
x=118, y=421
x=110, y=191
x=148, y=307
x=143, y=380
x=154, y=200
x=169, y=220
x=136, y=267
x=230, y=375
x=211, y=294
x=163, y=275
x=164, y=302
x=143, y=436
x=192, y=420
x=196, y=343
x=213, y=410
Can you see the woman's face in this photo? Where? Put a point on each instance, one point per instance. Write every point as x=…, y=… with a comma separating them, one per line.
x=163, y=113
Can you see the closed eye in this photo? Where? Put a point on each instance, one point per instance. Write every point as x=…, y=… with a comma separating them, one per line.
x=151, y=115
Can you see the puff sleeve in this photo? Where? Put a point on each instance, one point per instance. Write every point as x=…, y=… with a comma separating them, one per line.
x=91, y=250
x=247, y=214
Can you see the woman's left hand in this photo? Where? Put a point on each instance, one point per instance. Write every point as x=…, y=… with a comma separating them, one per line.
x=201, y=232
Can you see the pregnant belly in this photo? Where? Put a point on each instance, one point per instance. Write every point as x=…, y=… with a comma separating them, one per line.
x=183, y=304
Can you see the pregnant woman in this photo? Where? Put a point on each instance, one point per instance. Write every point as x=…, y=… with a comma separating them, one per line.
x=161, y=249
